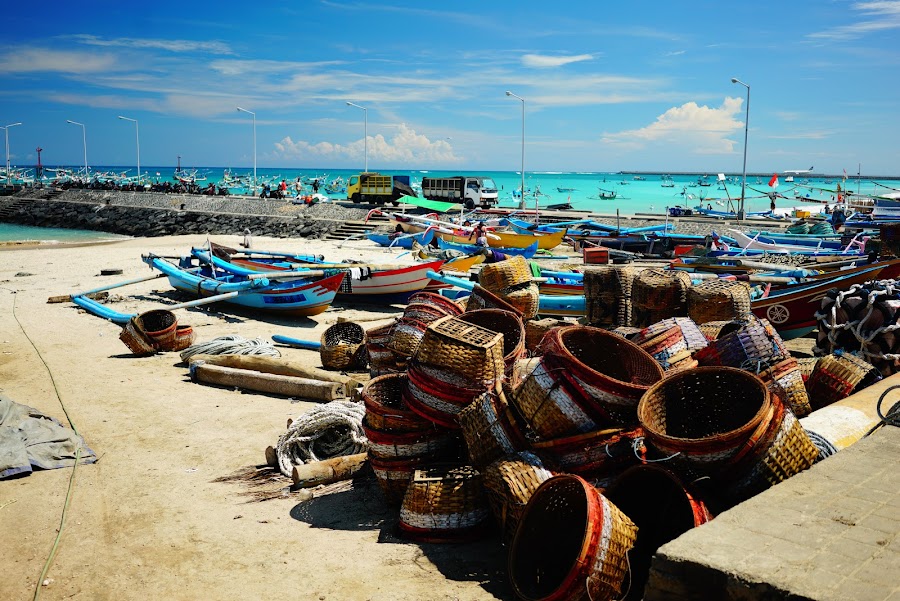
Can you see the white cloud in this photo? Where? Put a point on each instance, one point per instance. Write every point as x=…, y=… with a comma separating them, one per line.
x=31, y=60
x=541, y=61
x=405, y=147
x=884, y=15
x=212, y=46
x=702, y=128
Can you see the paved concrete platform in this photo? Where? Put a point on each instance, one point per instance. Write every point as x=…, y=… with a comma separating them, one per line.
x=830, y=533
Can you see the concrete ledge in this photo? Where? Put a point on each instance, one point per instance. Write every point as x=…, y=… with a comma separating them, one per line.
x=830, y=533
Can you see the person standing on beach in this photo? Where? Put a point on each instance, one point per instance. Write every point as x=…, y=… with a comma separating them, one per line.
x=479, y=234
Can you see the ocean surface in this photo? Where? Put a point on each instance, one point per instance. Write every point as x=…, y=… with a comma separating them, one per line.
x=590, y=191
x=48, y=235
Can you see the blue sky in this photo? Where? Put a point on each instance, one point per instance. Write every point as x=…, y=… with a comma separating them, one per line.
x=640, y=85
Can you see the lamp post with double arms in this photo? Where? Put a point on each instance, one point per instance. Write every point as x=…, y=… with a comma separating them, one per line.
x=6, y=132
x=84, y=144
x=243, y=110
x=365, y=134
x=137, y=137
x=741, y=213
x=522, y=201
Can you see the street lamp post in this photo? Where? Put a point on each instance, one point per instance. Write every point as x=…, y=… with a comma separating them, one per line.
x=84, y=143
x=6, y=131
x=741, y=213
x=137, y=137
x=522, y=202
x=365, y=134
x=254, y=145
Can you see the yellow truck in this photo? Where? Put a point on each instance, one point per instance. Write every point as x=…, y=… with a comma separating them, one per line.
x=376, y=188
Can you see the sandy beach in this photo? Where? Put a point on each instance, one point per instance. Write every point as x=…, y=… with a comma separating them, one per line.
x=148, y=520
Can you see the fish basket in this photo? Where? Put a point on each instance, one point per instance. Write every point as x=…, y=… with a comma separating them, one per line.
x=382, y=360
x=754, y=344
x=694, y=338
x=661, y=506
x=514, y=271
x=441, y=303
x=385, y=408
x=526, y=298
x=393, y=475
x=135, y=339
x=343, y=346
x=444, y=504
x=680, y=361
x=482, y=298
x=610, y=371
x=509, y=483
x=380, y=335
x=160, y=326
x=439, y=395
x=718, y=300
x=701, y=418
x=607, y=291
x=836, y=377
x=431, y=442
x=424, y=313
x=505, y=322
x=463, y=303
x=571, y=543
x=599, y=454
x=536, y=328
x=658, y=294
x=713, y=330
x=785, y=381
x=184, y=337
x=464, y=348
x=490, y=428
x=406, y=334
x=778, y=449
x=553, y=406
x=665, y=346
x=807, y=365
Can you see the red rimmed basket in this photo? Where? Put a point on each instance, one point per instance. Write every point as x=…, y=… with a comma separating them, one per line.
x=160, y=326
x=505, y=322
x=599, y=454
x=571, y=543
x=444, y=504
x=509, y=482
x=386, y=409
x=438, y=395
x=837, y=376
x=393, y=475
x=441, y=303
x=432, y=443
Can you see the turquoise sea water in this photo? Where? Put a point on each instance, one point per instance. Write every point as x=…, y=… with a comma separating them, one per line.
x=25, y=233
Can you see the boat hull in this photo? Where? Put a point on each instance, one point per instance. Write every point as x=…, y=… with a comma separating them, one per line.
x=501, y=239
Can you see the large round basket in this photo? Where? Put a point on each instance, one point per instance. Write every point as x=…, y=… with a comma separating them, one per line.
x=718, y=300
x=701, y=418
x=598, y=455
x=385, y=408
x=658, y=294
x=160, y=326
x=441, y=303
x=607, y=292
x=343, y=346
x=571, y=543
x=612, y=372
x=505, y=322
x=444, y=504
x=490, y=428
x=662, y=509
x=505, y=274
x=393, y=475
x=510, y=481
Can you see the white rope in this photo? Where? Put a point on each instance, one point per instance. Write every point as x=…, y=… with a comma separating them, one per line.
x=330, y=430
x=231, y=345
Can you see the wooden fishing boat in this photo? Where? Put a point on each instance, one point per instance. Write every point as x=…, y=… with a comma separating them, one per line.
x=290, y=294
x=404, y=241
x=474, y=248
x=496, y=238
x=791, y=311
x=365, y=283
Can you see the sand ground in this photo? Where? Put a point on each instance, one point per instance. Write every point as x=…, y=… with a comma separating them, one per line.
x=147, y=520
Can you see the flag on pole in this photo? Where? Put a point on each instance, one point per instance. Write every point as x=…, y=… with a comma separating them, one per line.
x=845, y=174
x=773, y=183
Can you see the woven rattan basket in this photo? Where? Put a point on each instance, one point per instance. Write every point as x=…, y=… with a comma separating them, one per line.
x=785, y=381
x=525, y=297
x=406, y=334
x=343, y=346
x=135, y=339
x=571, y=543
x=601, y=454
x=754, y=344
x=611, y=372
x=393, y=475
x=718, y=300
x=438, y=394
x=444, y=504
x=441, y=303
x=807, y=365
x=385, y=408
x=658, y=294
x=514, y=271
x=184, y=337
x=464, y=348
x=482, y=298
x=701, y=418
x=504, y=322
x=490, y=429
x=607, y=291
x=713, y=330
x=160, y=326
x=432, y=443
x=509, y=482
x=836, y=377
x=536, y=328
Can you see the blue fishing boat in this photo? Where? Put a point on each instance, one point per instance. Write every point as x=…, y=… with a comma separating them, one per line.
x=471, y=249
x=402, y=241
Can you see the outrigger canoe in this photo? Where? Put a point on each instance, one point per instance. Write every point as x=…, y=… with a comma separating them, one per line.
x=474, y=248
x=404, y=241
x=285, y=294
x=496, y=239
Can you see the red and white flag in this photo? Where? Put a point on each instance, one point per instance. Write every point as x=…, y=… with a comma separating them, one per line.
x=773, y=183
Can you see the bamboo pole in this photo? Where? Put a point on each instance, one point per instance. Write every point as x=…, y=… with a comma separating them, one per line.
x=278, y=366
x=327, y=471
x=291, y=386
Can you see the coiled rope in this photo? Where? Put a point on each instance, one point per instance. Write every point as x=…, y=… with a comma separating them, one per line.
x=231, y=345
x=330, y=430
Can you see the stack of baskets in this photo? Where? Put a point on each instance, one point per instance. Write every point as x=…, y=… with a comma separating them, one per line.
x=510, y=481
x=598, y=455
x=512, y=281
x=672, y=342
x=156, y=330
x=754, y=344
x=490, y=428
x=837, y=376
x=399, y=440
x=658, y=295
x=607, y=295
x=343, y=347
x=424, y=308
x=722, y=423
x=382, y=359
x=444, y=504
x=455, y=363
x=718, y=300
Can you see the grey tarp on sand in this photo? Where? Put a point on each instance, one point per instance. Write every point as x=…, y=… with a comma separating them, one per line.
x=29, y=439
